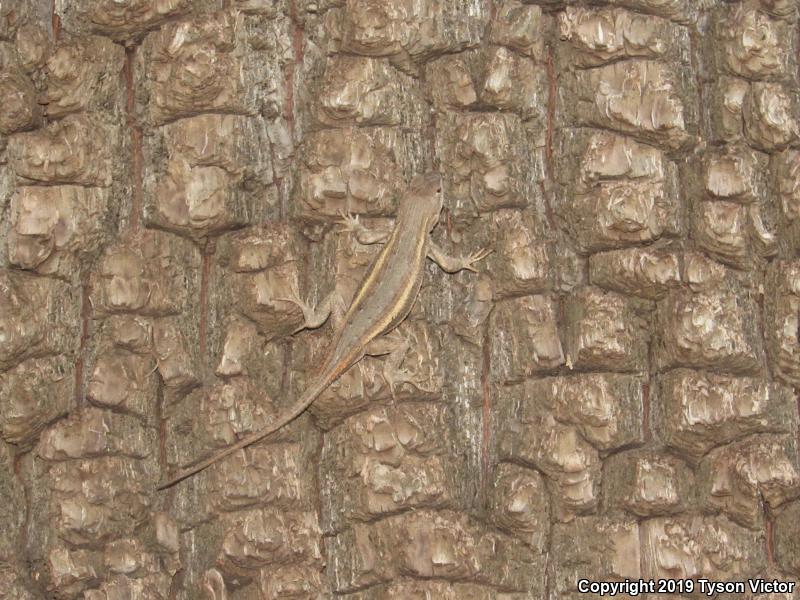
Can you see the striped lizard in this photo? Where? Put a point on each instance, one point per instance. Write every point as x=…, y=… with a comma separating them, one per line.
x=383, y=300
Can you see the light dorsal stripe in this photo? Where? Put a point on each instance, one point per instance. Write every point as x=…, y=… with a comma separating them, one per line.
x=374, y=275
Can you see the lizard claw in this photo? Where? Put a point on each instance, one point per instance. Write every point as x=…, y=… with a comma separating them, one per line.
x=475, y=257
x=294, y=298
x=350, y=222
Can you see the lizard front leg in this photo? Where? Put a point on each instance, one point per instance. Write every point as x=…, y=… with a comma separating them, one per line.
x=453, y=264
x=333, y=304
x=363, y=235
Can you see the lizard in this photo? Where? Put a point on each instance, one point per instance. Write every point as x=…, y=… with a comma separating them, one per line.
x=382, y=301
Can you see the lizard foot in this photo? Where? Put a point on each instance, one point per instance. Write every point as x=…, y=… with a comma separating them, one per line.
x=363, y=235
x=469, y=261
x=309, y=314
x=351, y=223
x=396, y=376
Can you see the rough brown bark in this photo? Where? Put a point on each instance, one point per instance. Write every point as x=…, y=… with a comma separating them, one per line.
x=613, y=396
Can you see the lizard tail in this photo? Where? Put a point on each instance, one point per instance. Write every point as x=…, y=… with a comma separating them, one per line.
x=298, y=409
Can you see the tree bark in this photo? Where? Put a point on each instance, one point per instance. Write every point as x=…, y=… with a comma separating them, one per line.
x=611, y=397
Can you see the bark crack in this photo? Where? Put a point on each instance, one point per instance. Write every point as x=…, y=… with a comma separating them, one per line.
x=136, y=140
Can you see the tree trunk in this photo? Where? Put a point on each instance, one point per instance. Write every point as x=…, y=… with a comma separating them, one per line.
x=610, y=397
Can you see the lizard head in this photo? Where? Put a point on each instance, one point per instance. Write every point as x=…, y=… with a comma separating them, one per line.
x=425, y=193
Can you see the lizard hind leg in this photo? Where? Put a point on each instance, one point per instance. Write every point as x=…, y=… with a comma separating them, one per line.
x=453, y=264
x=314, y=317
x=395, y=347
